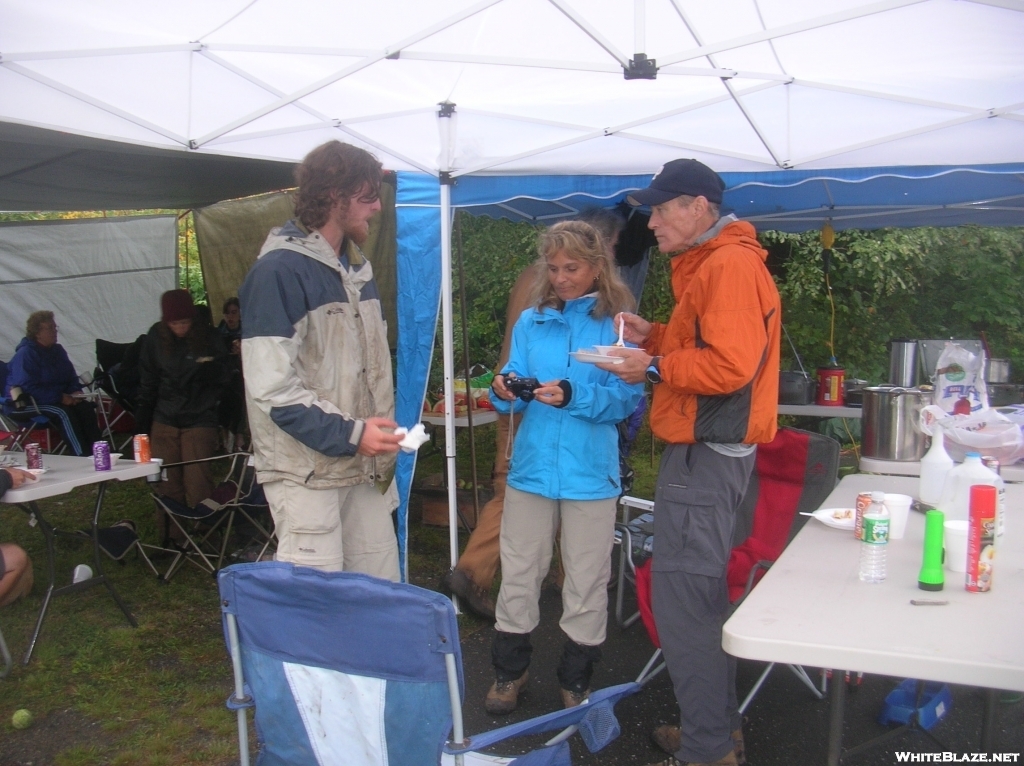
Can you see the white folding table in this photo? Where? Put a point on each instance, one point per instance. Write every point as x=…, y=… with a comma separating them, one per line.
x=63, y=474
x=812, y=609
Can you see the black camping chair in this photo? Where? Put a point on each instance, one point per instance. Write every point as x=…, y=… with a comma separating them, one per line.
x=117, y=376
x=237, y=503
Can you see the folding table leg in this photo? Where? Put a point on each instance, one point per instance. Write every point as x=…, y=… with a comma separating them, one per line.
x=836, y=714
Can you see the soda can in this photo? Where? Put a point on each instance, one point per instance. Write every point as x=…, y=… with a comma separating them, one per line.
x=101, y=456
x=863, y=501
x=991, y=463
x=141, y=444
x=33, y=456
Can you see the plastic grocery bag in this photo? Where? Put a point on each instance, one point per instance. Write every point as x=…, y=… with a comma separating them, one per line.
x=959, y=377
x=986, y=431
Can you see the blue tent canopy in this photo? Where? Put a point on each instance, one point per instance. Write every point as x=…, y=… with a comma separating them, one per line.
x=787, y=200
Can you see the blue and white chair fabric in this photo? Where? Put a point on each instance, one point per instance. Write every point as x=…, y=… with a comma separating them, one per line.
x=347, y=668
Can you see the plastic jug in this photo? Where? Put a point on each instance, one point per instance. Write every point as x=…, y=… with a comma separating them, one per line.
x=934, y=466
x=956, y=491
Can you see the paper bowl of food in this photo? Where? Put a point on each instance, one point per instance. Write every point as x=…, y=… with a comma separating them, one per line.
x=606, y=350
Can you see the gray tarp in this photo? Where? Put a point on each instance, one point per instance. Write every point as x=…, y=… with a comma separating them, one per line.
x=102, y=278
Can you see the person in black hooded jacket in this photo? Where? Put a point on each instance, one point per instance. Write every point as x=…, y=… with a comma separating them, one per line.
x=182, y=376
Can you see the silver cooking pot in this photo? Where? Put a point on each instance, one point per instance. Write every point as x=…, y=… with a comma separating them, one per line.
x=891, y=423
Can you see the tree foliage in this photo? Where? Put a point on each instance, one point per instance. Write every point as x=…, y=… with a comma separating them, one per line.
x=891, y=283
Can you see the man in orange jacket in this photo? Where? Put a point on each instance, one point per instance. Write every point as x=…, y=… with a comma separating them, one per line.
x=714, y=367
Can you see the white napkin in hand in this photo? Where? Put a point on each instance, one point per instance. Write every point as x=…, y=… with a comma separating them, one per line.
x=415, y=437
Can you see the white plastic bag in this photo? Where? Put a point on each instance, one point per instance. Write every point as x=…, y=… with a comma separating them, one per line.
x=959, y=375
x=986, y=431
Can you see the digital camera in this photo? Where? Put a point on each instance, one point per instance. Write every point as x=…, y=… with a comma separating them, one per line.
x=522, y=387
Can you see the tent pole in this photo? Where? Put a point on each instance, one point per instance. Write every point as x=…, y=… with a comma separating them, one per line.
x=463, y=314
x=447, y=341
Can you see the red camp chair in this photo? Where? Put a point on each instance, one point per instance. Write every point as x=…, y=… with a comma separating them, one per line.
x=795, y=472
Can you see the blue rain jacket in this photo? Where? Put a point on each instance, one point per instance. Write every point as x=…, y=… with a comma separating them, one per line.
x=572, y=452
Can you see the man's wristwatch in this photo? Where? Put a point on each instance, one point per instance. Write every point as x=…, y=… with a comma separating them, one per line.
x=654, y=371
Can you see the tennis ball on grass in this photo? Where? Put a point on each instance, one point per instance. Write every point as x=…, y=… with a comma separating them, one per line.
x=21, y=719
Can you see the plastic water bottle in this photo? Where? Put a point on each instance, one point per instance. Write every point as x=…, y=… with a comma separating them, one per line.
x=874, y=547
x=934, y=467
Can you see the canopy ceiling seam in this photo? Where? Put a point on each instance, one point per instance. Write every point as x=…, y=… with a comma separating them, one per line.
x=83, y=53
x=882, y=95
x=633, y=123
x=40, y=164
x=766, y=161
x=732, y=93
x=983, y=115
x=786, y=30
x=387, y=149
x=229, y=19
x=590, y=31
x=351, y=69
x=771, y=42
x=591, y=133
x=1010, y=5
x=95, y=102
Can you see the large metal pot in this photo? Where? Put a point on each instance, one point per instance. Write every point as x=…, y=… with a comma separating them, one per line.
x=997, y=370
x=891, y=423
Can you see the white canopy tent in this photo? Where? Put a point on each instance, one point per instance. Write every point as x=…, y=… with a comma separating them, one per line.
x=865, y=113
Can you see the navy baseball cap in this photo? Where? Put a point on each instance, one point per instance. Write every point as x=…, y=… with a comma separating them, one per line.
x=678, y=177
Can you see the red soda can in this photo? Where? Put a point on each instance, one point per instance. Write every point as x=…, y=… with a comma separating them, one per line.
x=861, y=506
x=141, y=444
x=33, y=456
x=981, y=536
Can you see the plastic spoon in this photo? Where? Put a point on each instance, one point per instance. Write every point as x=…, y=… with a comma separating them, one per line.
x=622, y=327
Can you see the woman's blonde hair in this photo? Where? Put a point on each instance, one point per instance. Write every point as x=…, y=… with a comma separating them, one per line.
x=35, y=323
x=582, y=242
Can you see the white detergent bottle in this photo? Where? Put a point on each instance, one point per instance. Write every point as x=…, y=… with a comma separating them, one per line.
x=956, y=492
x=934, y=467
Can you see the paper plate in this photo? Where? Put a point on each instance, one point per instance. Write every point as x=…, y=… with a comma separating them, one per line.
x=592, y=357
x=837, y=518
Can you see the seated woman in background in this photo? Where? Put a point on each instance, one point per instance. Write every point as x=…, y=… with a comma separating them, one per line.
x=41, y=370
x=565, y=462
x=181, y=377
x=232, y=413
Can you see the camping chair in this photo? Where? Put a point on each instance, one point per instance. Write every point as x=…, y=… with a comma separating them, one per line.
x=19, y=429
x=117, y=376
x=236, y=503
x=795, y=472
x=5, y=654
x=119, y=540
x=346, y=668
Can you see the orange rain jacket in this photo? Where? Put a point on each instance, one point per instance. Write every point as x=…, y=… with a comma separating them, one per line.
x=720, y=369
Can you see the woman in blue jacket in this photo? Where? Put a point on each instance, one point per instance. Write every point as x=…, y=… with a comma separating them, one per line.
x=565, y=462
x=40, y=368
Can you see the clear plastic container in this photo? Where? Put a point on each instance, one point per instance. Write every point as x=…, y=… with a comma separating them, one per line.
x=874, y=547
x=956, y=492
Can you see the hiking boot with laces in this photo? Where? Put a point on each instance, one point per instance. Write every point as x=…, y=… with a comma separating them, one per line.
x=669, y=739
x=473, y=596
x=503, y=696
x=573, y=699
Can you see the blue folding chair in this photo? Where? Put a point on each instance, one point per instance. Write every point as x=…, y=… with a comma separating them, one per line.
x=347, y=668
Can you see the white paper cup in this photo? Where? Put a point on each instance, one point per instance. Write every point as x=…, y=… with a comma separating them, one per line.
x=899, y=511
x=114, y=457
x=956, y=545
